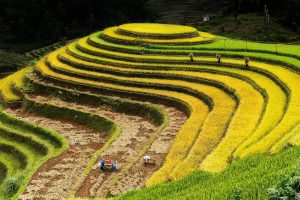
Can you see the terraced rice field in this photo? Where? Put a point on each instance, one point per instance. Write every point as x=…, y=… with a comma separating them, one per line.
x=130, y=91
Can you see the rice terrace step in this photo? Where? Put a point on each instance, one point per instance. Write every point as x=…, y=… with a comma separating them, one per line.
x=151, y=89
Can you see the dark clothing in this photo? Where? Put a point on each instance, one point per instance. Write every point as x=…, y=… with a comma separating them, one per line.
x=113, y=166
x=102, y=165
x=219, y=59
x=191, y=55
x=246, y=61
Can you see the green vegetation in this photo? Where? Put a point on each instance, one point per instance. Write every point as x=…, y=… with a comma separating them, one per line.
x=26, y=151
x=288, y=188
x=252, y=175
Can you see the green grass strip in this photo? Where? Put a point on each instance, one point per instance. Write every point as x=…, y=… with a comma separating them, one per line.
x=86, y=118
x=12, y=135
x=48, y=136
x=16, y=155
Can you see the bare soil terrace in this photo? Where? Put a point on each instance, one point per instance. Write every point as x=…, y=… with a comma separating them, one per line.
x=58, y=177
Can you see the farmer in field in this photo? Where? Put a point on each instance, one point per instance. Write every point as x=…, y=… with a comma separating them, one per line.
x=247, y=61
x=113, y=166
x=219, y=58
x=191, y=55
x=147, y=158
x=108, y=162
x=102, y=165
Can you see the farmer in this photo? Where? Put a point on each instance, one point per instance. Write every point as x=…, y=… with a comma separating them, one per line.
x=219, y=58
x=113, y=166
x=108, y=162
x=191, y=55
x=147, y=158
x=246, y=61
x=102, y=165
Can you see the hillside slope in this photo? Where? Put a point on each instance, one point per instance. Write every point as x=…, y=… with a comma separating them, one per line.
x=137, y=90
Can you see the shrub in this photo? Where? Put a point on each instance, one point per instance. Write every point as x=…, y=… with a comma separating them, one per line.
x=237, y=194
x=11, y=61
x=287, y=189
x=12, y=185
